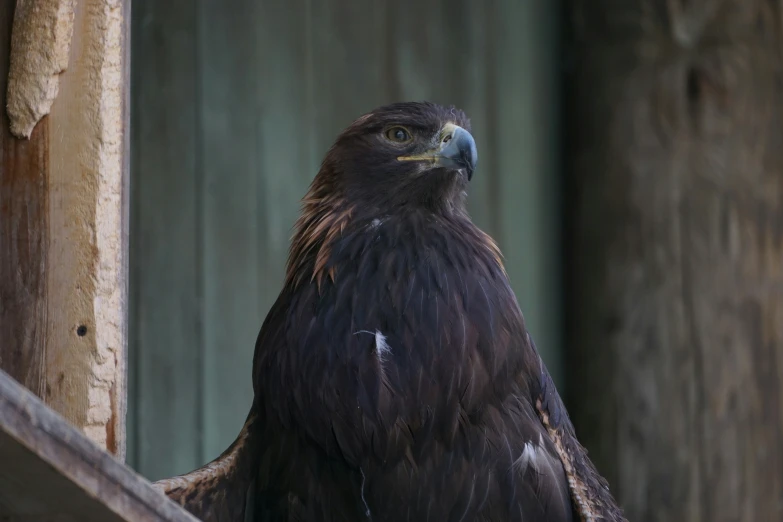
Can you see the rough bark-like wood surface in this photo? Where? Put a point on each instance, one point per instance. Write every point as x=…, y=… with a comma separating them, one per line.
x=24, y=237
x=40, y=47
x=676, y=348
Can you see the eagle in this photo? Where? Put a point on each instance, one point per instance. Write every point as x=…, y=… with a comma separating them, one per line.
x=394, y=378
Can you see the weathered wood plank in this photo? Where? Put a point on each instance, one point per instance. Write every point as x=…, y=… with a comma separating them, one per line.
x=87, y=309
x=66, y=251
x=166, y=340
x=24, y=237
x=678, y=325
x=51, y=471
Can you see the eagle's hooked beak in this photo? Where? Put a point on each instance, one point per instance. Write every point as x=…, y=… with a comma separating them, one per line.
x=456, y=150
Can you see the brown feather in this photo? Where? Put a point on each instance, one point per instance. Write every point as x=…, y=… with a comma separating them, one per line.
x=589, y=490
x=322, y=221
x=217, y=491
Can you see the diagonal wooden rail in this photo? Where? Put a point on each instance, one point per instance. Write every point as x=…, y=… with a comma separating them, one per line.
x=49, y=470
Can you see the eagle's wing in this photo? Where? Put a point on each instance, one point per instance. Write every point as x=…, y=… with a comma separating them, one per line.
x=217, y=492
x=589, y=490
x=226, y=489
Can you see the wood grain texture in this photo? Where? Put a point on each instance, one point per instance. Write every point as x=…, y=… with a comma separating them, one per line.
x=166, y=337
x=24, y=237
x=677, y=177
x=86, y=278
x=63, y=297
x=51, y=471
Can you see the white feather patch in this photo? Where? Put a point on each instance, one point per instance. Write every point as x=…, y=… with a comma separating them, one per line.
x=529, y=457
x=381, y=346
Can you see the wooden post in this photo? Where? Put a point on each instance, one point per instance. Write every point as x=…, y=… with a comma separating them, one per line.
x=63, y=192
x=676, y=347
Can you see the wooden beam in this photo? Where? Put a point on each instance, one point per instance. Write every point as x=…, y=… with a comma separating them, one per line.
x=63, y=192
x=676, y=334
x=51, y=471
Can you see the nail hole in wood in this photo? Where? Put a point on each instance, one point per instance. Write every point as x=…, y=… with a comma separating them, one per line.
x=693, y=85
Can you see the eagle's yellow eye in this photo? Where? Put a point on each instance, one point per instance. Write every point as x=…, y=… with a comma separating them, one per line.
x=399, y=135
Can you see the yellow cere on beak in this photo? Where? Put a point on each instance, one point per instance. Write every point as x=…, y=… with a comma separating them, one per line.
x=455, y=149
x=433, y=154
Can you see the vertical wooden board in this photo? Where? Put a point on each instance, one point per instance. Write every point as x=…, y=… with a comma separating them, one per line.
x=87, y=308
x=677, y=319
x=24, y=226
x=525, y=139
x=62, y=211
x=347, y=46
x=230, y=71
x=166, y=344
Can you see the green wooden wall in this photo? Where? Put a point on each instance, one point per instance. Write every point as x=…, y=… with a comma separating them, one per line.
x=232, y=110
